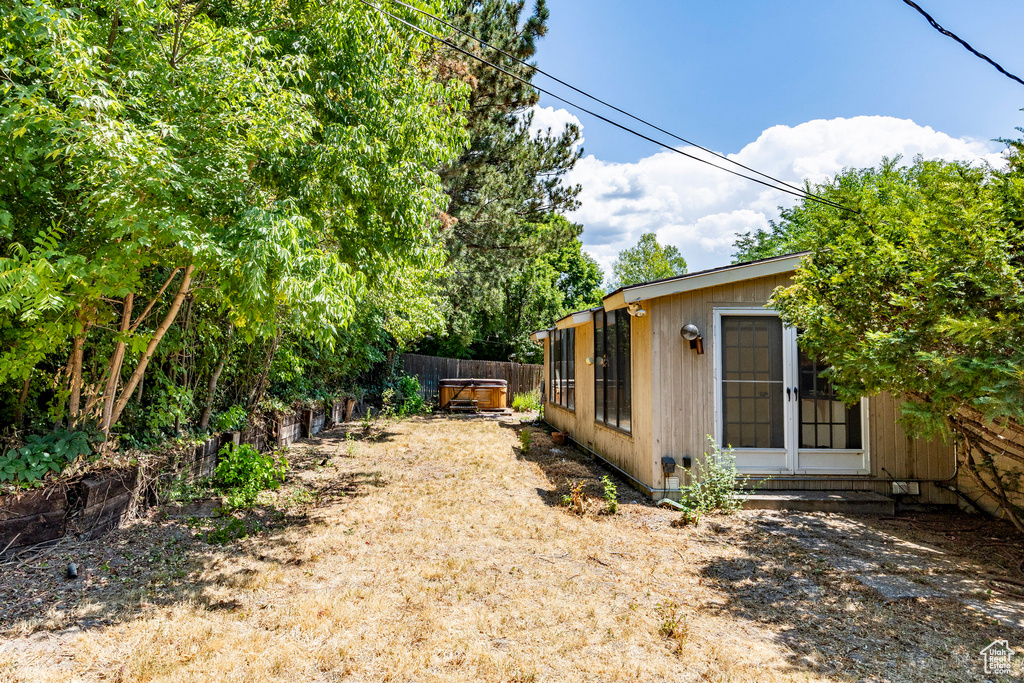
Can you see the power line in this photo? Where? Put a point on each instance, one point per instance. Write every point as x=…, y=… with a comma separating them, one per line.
x=802, y=194
x=957, y=38
x=605, y=103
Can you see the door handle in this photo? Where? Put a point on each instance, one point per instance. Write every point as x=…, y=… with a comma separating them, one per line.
x=796, y=393
x=789, y=393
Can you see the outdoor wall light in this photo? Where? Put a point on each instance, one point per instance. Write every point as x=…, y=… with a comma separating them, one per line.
x=636, y=310
x=691, y=334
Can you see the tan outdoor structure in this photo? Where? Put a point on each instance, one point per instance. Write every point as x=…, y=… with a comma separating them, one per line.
x=485, y=394
x=749, y=383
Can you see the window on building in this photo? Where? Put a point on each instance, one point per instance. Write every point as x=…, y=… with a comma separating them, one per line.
x=562, y=371
x=612, y=389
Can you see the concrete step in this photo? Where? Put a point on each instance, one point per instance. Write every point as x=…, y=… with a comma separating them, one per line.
x=852, y=502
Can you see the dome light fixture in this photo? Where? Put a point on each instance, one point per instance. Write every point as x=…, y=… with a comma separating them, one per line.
x=691, y=333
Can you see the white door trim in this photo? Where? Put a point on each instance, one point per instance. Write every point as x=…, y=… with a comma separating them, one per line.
x=780, y=458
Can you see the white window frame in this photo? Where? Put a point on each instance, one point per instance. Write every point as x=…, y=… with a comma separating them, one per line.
x=786, y=461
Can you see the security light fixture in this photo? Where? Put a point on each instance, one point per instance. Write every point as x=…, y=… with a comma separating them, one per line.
x=636, y=310
x=668, y=464
x=691, y=334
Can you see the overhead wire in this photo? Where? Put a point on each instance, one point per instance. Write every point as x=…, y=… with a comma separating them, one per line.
x=601, y=101
x=801, y=194
x=960, y=40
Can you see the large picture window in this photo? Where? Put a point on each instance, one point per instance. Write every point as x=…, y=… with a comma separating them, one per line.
x=612, y=386
x=562, y=371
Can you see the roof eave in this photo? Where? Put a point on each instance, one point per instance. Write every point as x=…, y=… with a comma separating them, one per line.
x=622, y=297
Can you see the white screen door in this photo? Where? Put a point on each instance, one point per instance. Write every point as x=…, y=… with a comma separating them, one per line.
x=772, y=405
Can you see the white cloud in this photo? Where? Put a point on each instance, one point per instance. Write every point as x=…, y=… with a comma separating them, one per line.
x=551, y=121
x=700, y=209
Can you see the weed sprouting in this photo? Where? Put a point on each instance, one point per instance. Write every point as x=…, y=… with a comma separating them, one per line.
x=525, y=439
x=526, y=402
x=244, y=472
x=720, y=487
x=674, y=623
x=576, y=499
x=610, y=495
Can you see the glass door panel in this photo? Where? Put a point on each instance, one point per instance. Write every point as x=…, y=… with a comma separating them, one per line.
x=830, y=433
x=753, y=403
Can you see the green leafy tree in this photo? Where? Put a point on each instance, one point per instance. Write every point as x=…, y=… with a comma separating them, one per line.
x=577, y=275
x=647, y=261
x=506, y=187
x=270, y=162
x=917, y=291
x=530, y=295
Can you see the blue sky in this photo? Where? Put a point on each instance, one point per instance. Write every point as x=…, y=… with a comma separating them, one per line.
x=802, y=87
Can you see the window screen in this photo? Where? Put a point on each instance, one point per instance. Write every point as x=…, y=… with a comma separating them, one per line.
x=612, y=385
x=562, y=371
x=753, y=406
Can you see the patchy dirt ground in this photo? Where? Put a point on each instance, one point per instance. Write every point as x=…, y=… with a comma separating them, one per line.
x=440, y=551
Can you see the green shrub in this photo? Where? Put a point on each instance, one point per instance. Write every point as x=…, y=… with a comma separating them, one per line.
x=409, y=391
x=244, y=472
x=719, y=487
x=610, y=495
x=234, y=419
x=42, y=454
x=526, y=402
x=525, y=439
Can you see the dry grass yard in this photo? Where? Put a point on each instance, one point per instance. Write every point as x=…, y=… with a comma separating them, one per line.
x=439, y=551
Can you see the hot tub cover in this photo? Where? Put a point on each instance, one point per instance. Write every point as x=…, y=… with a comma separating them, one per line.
x=476, y=382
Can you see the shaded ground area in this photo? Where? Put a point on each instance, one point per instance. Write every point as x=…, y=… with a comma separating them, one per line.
x=899, y=568
x=439, y=550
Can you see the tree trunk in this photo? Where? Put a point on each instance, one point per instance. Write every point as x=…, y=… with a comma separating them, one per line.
x=75, y=401
x=140, y=369
x=116, y=361
x=211, y=387
x=19, y=414
x=257, y=391
x=983, y=442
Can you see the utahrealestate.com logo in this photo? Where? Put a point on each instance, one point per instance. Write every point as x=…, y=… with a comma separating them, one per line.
x=998, y=657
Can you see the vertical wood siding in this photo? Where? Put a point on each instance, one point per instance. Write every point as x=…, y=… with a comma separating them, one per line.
x=683, y=395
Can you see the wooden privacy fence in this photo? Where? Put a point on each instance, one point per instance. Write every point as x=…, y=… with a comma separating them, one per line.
x=521, y=377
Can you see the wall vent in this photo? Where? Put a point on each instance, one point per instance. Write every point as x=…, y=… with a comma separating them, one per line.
x=906, y=488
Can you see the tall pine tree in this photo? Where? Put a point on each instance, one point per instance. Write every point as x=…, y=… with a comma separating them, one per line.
x=505, y=190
